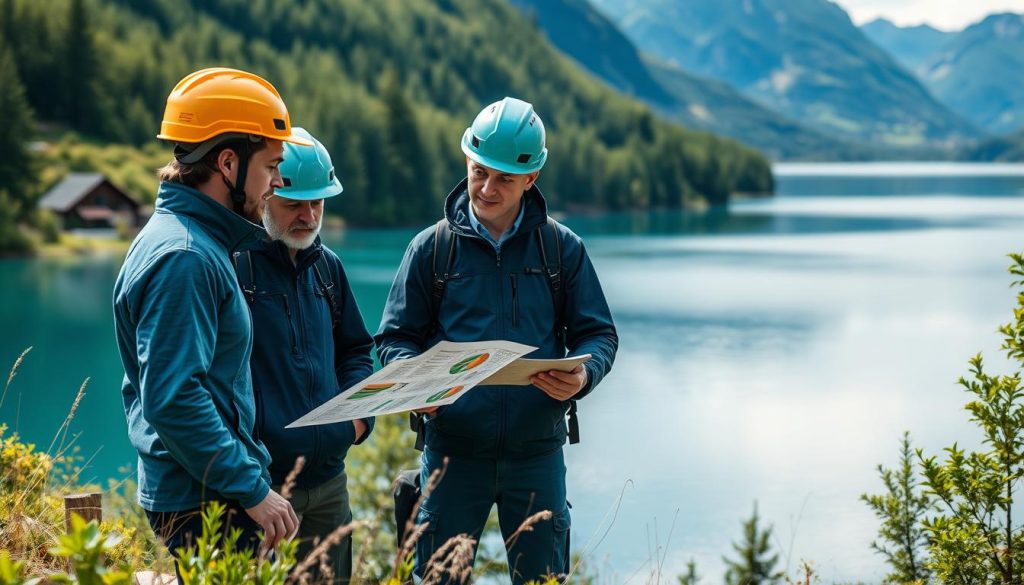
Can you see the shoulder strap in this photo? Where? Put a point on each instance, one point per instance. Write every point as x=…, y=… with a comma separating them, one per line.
x=444, y=241
x=245, y=273
x=551, y=248
x=322, y=271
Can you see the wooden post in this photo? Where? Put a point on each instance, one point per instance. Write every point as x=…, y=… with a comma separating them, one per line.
x=88, y=506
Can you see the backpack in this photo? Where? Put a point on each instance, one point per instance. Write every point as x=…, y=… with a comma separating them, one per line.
x=321, y=270
x=550, y=248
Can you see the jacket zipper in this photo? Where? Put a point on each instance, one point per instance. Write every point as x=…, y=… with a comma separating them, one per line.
x=315, y=458
x=501, y=334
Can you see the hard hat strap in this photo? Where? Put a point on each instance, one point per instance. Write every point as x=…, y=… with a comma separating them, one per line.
x=238, y=189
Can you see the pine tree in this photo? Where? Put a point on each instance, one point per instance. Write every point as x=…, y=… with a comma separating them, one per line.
x=16, y=165
x=80, y=70
x=756, y=562
x=902, y=510
x=690, y=577
x=410, y=174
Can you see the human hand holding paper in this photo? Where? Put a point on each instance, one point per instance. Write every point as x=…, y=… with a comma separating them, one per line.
x=561, y=385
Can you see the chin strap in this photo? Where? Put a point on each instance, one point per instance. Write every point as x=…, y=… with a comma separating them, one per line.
x=238, y=189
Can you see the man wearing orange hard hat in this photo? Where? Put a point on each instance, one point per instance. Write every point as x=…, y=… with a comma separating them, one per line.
x=183, y=327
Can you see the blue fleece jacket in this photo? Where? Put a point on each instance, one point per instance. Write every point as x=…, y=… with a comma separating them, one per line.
x=298, y=360
x=184, y=335
x=499, y=294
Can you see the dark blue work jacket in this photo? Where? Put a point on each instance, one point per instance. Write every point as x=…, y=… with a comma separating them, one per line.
x=298, y=360
x=494, y=294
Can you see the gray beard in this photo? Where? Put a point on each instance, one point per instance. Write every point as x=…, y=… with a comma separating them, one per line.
x=276, y=232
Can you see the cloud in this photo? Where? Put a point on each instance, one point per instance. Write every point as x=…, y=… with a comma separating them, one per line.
x=942, y=14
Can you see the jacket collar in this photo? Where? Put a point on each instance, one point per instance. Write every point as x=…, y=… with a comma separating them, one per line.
x=456, y=209
x=277, y=250
x=229, y=229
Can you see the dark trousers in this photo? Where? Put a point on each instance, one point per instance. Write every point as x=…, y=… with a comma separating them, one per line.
x=180, y=529
x=321, y=510
x=520, y=487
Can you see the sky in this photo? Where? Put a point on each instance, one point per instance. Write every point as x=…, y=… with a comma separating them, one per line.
x=941, y=14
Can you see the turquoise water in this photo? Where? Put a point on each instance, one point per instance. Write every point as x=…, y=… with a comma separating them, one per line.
x=774, y=352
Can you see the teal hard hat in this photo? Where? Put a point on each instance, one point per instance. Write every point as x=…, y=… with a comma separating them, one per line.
x=507, y=136
x=307, y=171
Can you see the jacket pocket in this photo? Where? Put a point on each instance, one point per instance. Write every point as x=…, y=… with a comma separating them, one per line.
x=277, y=327
x=257, y=395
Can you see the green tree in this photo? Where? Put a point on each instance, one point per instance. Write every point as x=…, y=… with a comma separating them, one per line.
x=902, y=509
x=81, y=66
x=756, y=562
x=16, y=168
x=12, y=240
x=690, y=577
x=409, y=174
x=974, y=537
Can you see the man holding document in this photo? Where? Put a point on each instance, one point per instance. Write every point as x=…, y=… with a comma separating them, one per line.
x=498, y=268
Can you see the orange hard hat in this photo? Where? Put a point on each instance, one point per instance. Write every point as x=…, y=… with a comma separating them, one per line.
x=219, y=100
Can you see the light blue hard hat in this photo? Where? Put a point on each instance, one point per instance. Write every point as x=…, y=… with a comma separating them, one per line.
x=507, y=136
x=307, y=171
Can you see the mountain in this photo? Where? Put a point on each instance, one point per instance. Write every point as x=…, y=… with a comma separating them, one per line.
x=912, y=46
x=591, y=39
x=979, y=72
x=586, y=35
x=1009, y=148
x=388, y=87
x=803, y=58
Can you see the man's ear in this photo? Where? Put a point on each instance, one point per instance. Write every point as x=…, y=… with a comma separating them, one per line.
x=226, y=160
x=533, y=179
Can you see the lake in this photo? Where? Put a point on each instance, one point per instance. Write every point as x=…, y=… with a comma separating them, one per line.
x=771, y=353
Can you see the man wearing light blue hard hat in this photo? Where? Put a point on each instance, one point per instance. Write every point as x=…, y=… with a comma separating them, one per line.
x=309, y=344
x=498, y=267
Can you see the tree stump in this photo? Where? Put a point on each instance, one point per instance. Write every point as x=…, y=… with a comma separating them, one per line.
x=88, y=506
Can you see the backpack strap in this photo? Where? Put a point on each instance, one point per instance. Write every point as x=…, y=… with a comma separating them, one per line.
x=551, y=248
x=440, y=266
x=444, y=241
x=324, y=278
x=245, y=273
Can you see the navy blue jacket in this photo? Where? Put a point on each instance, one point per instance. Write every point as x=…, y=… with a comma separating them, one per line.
x=184, y=336
x=492, y=296
x=298, y=362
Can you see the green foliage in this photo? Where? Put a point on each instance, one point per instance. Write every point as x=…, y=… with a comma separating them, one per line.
x=902, y=508
x=974, y=538
x=371, y=467
x=16, y=165
x=49, y=228
x=85, y=547
x=217, y=560
x=13, y=572
x=387, y=86
x=12, y=238
x=690, y=577
x=756, y=561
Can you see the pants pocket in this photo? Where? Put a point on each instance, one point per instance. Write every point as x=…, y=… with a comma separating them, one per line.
x=562, y=525
x=425, y=545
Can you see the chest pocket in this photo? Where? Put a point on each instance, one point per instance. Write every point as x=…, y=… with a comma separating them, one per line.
x=533, y=312
x=273, y=317
x=469, y=307
x=315, y=301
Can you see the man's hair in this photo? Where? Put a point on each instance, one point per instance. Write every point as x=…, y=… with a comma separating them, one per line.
x=195, y=174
